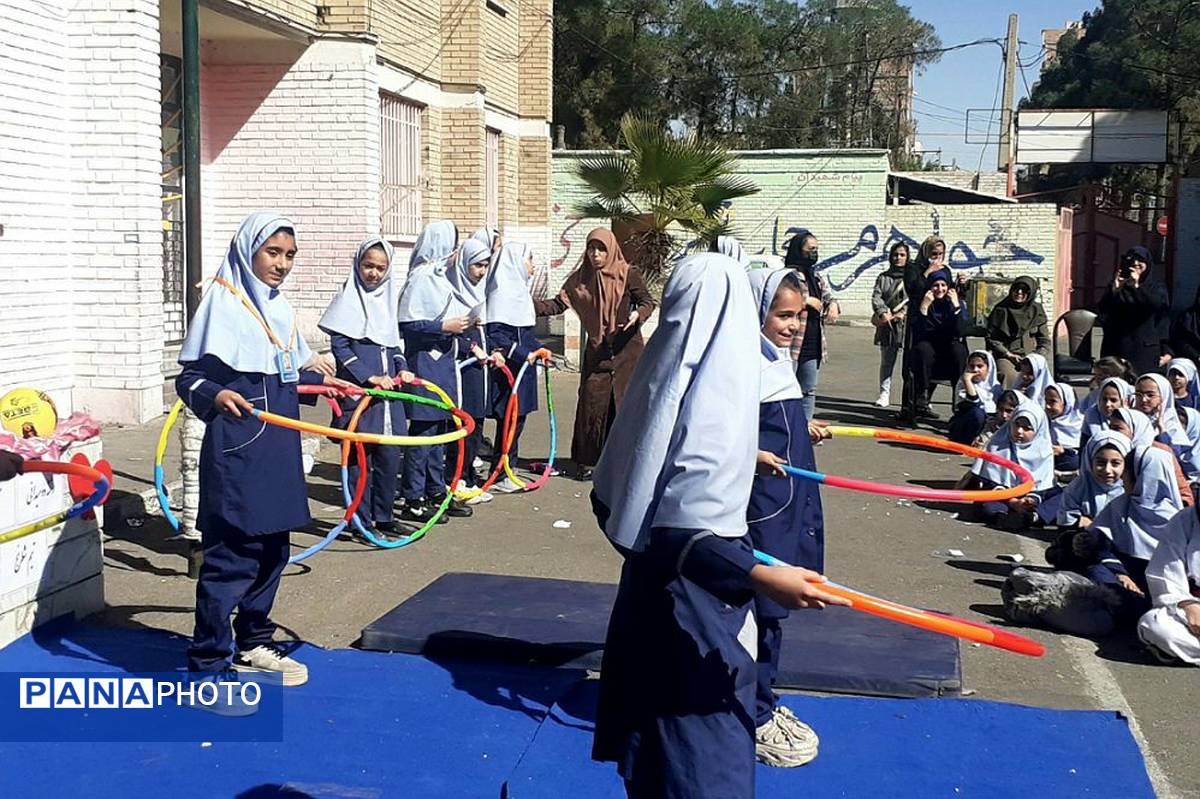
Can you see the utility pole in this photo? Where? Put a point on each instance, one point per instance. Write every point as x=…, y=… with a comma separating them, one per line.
x=1004, y=153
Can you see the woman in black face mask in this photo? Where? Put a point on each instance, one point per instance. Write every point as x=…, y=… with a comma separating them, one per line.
x=808, y=346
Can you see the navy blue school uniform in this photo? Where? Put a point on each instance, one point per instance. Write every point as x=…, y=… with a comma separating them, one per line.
x=785, y=520
x=245, y=539
x=676, y=707
x=516, y=344
x=474, y=393
x=967, y=423
x=432, y=355
x=1107, y=566
x=1049, y=501
x=358, y=360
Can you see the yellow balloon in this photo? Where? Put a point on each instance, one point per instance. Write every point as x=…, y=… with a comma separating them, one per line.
x=27, y=412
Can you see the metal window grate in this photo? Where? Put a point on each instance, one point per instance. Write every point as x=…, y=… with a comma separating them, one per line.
x=492, y=178
x=400, y=193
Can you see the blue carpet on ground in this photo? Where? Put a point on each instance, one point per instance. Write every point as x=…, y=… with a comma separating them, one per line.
x=563, y=623
x=365, y=725
x=883, y=748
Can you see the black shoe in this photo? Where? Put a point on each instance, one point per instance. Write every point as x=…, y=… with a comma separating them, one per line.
x=459, y=510
x=420, y=514
x=906, y=418
x=925, y=412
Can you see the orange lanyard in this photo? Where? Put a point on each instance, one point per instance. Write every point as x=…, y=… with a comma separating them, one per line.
x=254, y=312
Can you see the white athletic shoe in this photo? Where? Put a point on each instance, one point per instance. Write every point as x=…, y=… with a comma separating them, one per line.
x=270, y=659
x=478, y=464
x=785, y=741
x=884, y=399
x=505, y=486
x=480, y=499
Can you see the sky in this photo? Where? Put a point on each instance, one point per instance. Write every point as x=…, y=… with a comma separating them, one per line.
x=969, y=78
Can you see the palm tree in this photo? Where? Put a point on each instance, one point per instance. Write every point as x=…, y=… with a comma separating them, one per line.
x=658, y=181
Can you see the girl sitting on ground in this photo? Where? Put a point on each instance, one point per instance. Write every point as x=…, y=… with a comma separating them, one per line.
x=977, y=392
x=1113, y=393
x=1136, y=426
x=1185, y=382
x=1171, y=629
x=1035, y=377
x=1066, y=423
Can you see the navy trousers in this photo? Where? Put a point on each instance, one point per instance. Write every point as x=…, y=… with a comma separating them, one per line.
x=770, y=644
x=380, y=492
x=424, y=467
x=240, y=572
x=967, y=423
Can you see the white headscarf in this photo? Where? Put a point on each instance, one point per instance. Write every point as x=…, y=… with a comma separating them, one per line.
x=1176, y=560
x=1066, y=428
x=988, y=391
x=1189, y=457
x=1187, y=368
x=224, y=328
x=1036, y=389
x=1087, y=496
x=682, y=448
x=507, y=289
x=486, y=236
x=436, y=243
x=1094, y=419
x=360, y=313
x=1134, y=522
x=428, y=295
x=1036, y=455
x=728, y=245
x=778, y=379
x=1166, y=418
x=1140, y=426
x=472, y=252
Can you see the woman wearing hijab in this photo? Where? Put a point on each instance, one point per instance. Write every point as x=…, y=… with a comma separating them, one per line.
x=677, y=683
x=364, y=336
x=930, y=261
x=784, y=515
x=937, y=341
x=611, y=300
x=1016, y=327
x=243, y=351
x=433, y=318
x=1172, y=628
x=809, y=348
x=509, y=330
x=888, y=303
x=1119, y=544
x=1133, y=313
x=467, y=278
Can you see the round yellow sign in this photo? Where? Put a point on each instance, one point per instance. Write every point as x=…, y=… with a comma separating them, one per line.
x=27, y=412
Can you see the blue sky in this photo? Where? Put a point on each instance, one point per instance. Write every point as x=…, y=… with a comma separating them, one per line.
x=967, y=78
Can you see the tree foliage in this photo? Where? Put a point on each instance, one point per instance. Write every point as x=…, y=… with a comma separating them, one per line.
x=744, y=73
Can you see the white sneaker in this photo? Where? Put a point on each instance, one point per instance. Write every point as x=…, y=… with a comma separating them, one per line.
x=785, y=741
x=479, y=499
x=506, y=486
x=270, y=659
x=478, y=464
x=884, y=399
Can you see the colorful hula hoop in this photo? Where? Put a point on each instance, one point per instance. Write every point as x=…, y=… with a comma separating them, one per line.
x=511, y=412
x=510, y=435
x=100, y=489
x=942, y=623
x=919, y=492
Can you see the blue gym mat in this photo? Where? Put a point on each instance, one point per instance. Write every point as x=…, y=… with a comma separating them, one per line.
x=883, y=748
x=365, y=725
x=494, y=617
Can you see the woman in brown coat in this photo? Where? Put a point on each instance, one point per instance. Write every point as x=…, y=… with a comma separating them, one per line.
x=611, y=300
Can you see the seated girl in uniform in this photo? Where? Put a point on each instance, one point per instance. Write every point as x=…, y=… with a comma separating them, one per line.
x=1189, y=458
x=1185, y=382
x=1035, y=377
x=785, y=515
x=243, y=351
x=1066, y=423
x=1099, y=480
x=1154, y=397
x=364, y=336
x=677, y=682
x=977, y=392
x=1136, y=426
x=1171, y=629
x=1102, y=369
x=1112, y=393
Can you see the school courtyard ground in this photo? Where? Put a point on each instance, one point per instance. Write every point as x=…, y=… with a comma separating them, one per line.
x=895, y=549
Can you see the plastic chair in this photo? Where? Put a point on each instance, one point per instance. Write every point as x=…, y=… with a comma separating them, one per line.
x=1075, y=366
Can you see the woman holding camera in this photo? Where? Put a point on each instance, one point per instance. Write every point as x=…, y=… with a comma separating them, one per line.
x=1133, y=313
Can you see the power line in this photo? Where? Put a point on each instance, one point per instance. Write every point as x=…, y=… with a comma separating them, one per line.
x=995, y=96
x=893, y=56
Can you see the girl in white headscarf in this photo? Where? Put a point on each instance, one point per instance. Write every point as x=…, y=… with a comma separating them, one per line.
x=1138, y=428
x=244, y=352
x=670, y=493
x=1185, y=382
x=1035, y=377
x=1112, y=393
x=1172, y=628
x=1066, y=424
x=474, y=384
x=1155, y=398
x=1025, y=439
x=364, y=335
x=510, y=317
x=785, y=515
x=1099, y=480
x=977, y=392
x=436, y=244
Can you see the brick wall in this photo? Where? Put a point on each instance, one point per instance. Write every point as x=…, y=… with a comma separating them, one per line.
x=536, y=66
x=463, y=168
x=302, y=11
x=840, y=196
x=36, y=338
x=500, y=50
x=462, y=31
x=114, y=138
x=410, y=32
x=302, y=138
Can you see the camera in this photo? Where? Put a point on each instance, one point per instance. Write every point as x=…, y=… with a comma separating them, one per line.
x=1127, y=262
